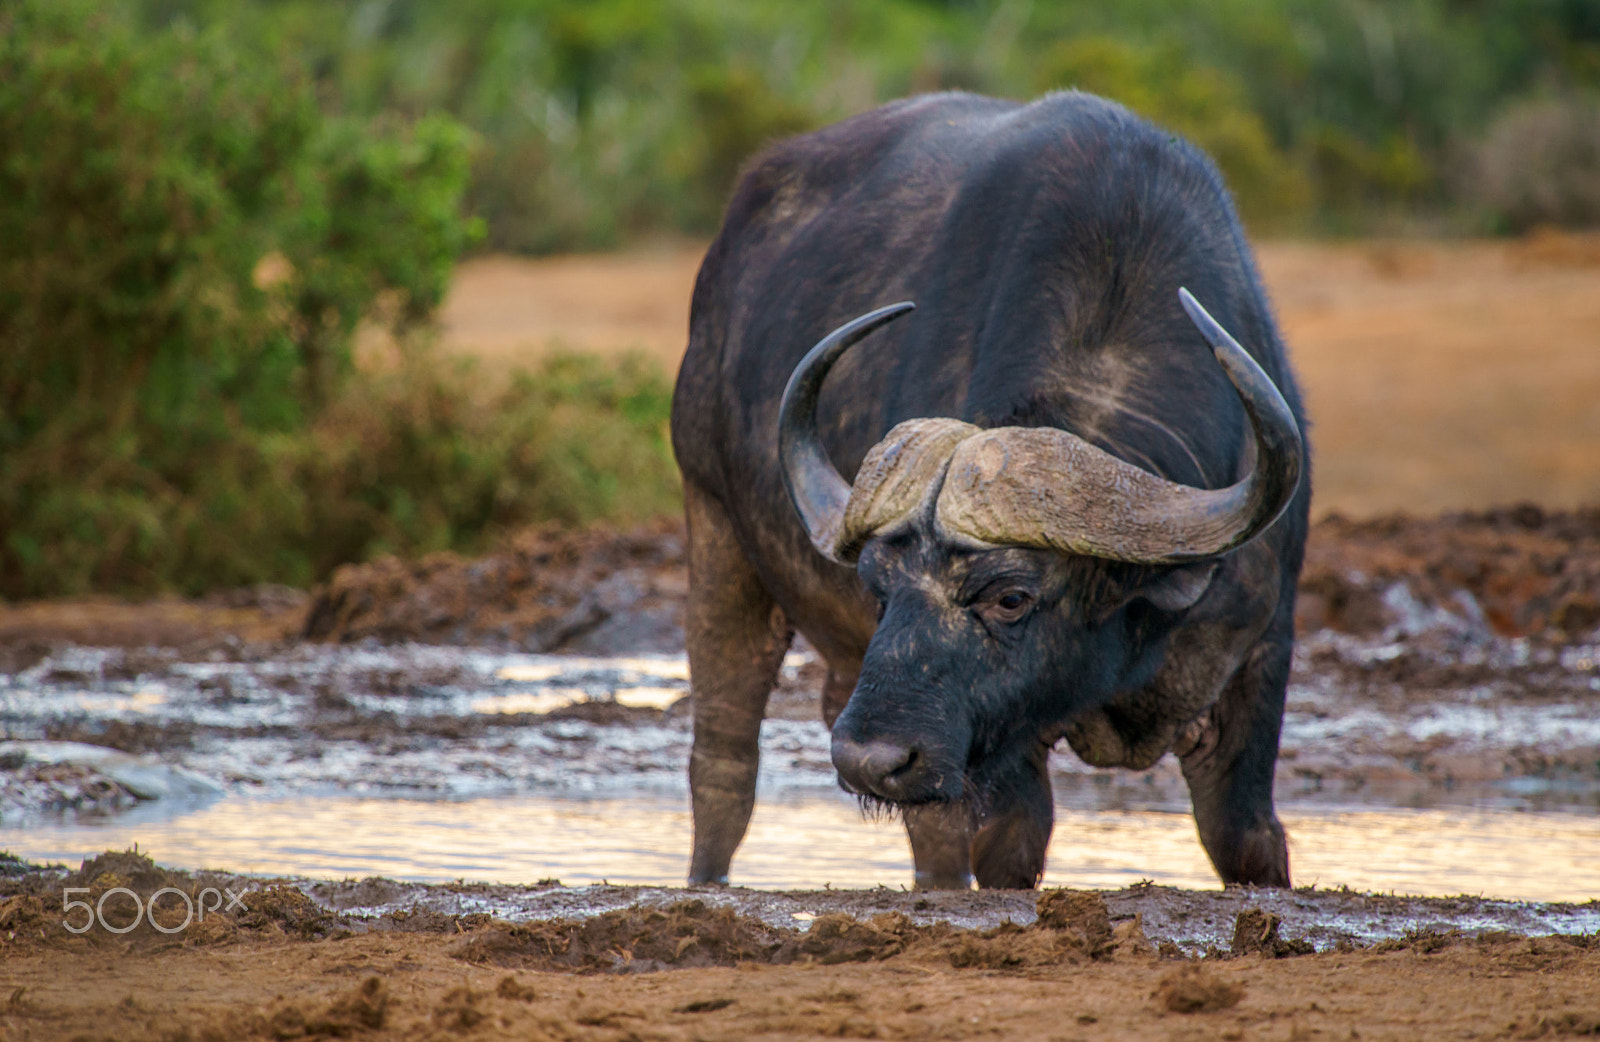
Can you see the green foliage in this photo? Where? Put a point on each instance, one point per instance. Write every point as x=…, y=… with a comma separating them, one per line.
x=201, y=201
x=733, y=113
x=611, y=119
x=426, y=457
x=190, y=243
x=374, y=232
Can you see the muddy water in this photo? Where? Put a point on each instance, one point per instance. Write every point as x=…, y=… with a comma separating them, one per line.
x=435, y=764
x=817, y=841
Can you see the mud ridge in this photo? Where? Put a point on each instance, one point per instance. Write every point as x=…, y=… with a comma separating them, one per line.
x=636, y=929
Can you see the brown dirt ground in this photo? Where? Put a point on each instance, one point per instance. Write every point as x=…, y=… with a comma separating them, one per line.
x=281, y=968
x=411, y=986
x=1439, y=376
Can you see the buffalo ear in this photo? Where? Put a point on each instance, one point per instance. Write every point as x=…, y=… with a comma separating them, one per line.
x=1179, y=588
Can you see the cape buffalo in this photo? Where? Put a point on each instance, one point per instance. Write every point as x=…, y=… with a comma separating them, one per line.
x=1057, y=500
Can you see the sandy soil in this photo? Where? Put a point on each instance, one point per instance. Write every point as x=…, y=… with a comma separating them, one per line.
x=386, y=986
x=282, y=967
x=1438, y=376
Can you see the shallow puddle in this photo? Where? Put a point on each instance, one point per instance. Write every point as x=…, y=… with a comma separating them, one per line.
x=816, y=840
x=436, y=764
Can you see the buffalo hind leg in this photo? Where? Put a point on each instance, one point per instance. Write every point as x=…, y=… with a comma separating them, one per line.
x=1228, y=761
x=836, y=691
x=737, y=637
x=1009, y=849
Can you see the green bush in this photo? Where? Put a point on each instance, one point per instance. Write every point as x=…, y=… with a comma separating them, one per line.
x=733, y=112
x=428, y=457
x=202, y=200
x=611, y=119
x=189, y=245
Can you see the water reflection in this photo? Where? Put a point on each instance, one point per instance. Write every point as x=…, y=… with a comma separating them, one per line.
x=809, y=840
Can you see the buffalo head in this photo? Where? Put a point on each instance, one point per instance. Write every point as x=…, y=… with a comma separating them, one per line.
x=1024, y=576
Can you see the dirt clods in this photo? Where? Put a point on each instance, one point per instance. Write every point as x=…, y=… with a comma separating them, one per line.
x=549, y=589
x=837, y=938
x=460, y=1010
x=1075, y=928
x=1195, y=989
x=1527, y=570
x=1081, y=915
x=684, y=934
x=705, y=1005
x=121, y=868
x=1565, y=1024
x=287, y=909
x=1012, y=947
x=514, y=990
x=1255, y=932
x=366, y=1008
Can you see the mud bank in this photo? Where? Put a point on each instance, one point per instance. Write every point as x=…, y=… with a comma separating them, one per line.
x=373, y=959
x=1515, y=572
x=1519, y=571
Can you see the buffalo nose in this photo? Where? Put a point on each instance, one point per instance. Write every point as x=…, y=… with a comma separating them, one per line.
x=876, y=768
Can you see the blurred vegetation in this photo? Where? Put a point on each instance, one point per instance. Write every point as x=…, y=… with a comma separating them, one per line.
x=429, y=456
x=202, y=201
x=603, y=120
x=190, y=243
x=1540, y=164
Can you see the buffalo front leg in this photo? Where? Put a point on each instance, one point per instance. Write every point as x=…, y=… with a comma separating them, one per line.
x=737, y=638
x=1229, y=756
x=1008, y=851
x=1005, y=850
x=941, y=845
x=940, y=834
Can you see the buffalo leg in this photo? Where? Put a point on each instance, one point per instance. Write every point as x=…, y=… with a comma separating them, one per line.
x=737, y=638
x=1009, y=849
x=941, y=845
x=1228, y=761
x=941, y=835
x=836, y=692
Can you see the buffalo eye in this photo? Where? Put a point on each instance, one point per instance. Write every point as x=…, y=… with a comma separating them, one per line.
x=1007, y=606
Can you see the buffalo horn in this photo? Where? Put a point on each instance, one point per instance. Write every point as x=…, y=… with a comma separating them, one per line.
x=1047, y=488
x=818, y=492
x=1034, y=486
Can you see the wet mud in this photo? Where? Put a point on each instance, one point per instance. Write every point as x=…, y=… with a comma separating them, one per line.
x=286, y=963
